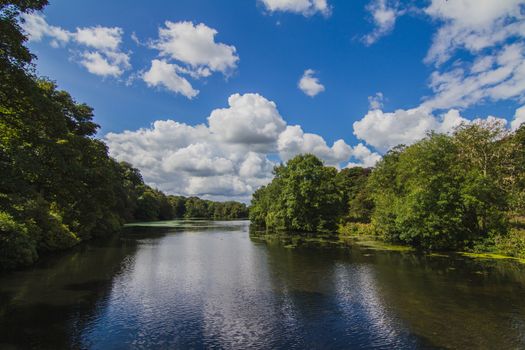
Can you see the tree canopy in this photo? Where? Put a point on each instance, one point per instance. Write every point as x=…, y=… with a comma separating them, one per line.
x=303, y=196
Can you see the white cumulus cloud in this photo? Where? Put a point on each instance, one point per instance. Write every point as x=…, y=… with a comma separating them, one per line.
x=101, y=38
x=309, y=84
x=293, y=141
x=165, y=74
x=365, y=157
x=195, y=46
x=384, y=130
x=37, y=28
x=99, y=64
x=189, y=49
x=229, y=157
x=249, y=119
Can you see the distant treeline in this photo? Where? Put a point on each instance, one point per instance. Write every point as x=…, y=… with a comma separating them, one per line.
x=445, y=192
x=155, y=205
x=58, y=185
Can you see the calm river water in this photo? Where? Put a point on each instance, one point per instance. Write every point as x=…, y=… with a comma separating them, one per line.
x=210, y=285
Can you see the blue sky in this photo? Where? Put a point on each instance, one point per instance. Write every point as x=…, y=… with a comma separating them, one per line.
x=375, y=73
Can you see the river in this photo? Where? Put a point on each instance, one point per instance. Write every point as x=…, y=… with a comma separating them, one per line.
x=203, y=284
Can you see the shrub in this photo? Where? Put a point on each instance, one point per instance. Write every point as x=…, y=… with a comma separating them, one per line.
x=356, y=229
x=17, y=248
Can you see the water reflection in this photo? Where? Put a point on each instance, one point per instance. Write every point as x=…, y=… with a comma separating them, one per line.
x=48, y=305
x=456, y=303
x=211, y=285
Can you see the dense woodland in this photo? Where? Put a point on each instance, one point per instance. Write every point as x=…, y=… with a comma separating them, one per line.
x=58, y=186
x=464, y=191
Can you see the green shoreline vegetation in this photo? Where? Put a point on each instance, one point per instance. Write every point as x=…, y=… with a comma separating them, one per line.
x=58, y=185
x=463, y=192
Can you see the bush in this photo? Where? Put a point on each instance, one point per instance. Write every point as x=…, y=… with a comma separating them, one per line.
x=45, y=224
x=17, y=248
x=356, y=229
x=512, y=244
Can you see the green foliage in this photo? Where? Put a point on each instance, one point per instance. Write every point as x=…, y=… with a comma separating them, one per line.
x=516, y=177
x=17, y=248
x=178, y=203
x=512, y=244
x=357, y=203
x=445, y=192
x=356, y=229
x=303, y=197
x=425, y=196
x=197, y=208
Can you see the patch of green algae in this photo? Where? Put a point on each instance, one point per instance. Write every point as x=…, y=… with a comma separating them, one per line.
x=371, y=243
x=492, y=256
x=438, y=255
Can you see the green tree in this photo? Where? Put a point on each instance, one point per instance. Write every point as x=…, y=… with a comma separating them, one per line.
x=437, y=195
x=302, y=197
x=356, y=201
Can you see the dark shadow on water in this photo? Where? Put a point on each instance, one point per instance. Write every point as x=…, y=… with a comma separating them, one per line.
x=47, y=306
x=92, y=285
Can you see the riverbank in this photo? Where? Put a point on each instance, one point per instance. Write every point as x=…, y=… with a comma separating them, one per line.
x=510, y=247
x=357, y=237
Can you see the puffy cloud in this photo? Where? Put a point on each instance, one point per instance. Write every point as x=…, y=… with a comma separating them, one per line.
x=255, y=165
x=384, y=14
x=199, y=159
x=304, y=7
x=104, y=57
x=365, y=157
x=309, y=84
x=230, y=156
x=188, y=49
x=519, y=118
x=385, y=130
x=165, y=74
x=249, y=119
x=102, y=38
x=226, y=186
x=195, y=46
x=105, y=65
x=293, y=141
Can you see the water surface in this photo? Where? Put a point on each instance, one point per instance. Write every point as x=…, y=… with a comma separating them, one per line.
x=211, y=285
